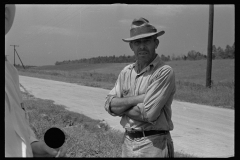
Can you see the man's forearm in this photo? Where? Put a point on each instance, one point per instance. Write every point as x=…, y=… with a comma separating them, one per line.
x=134, y=113
x=119, y=105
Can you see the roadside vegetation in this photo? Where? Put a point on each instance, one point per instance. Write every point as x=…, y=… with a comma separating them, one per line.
x=85, y=137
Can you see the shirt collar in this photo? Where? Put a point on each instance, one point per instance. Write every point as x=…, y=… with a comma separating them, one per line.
x=156, y=61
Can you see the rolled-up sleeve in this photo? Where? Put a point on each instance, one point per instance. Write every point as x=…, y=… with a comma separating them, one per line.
x=115, y=92
x=32, y=136
x=158, y=93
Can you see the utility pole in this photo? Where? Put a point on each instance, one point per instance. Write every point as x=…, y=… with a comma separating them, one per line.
x=209, y=53
x=14, y=52
x=17, y=55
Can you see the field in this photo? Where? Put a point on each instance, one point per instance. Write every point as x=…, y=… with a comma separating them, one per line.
x=190, y=79
x=90, y=138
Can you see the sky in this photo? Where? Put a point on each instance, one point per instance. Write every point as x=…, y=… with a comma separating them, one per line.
x=46, y=34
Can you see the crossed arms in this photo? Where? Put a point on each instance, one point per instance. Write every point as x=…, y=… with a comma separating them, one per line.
x=128, y=106
x=145, y=107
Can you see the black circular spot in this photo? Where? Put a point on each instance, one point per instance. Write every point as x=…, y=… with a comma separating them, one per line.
x=54, y=137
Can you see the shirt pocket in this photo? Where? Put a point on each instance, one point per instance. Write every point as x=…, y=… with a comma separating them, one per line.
x=126, y=92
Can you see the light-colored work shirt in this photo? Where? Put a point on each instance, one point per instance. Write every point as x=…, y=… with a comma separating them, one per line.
x=18, y=134
x=157, y=81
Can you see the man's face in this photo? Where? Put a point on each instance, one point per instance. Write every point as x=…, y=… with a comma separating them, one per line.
x=9, y=16
x=144, y=49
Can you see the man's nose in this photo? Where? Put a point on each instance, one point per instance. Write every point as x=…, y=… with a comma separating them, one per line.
x=142, y=45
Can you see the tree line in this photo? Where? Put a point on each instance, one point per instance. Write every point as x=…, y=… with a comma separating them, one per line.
x=217, y=53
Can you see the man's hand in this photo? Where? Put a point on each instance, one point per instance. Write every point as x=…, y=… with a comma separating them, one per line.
x=40, y=149
x=141, y=98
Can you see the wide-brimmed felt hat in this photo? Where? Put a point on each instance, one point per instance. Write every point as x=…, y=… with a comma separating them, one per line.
x=141, y=28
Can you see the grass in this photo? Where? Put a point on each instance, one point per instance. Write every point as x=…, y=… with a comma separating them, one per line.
x=195, y=71
x=219, y=95
x=190, y=79
x=92, y=79
x=85, y=137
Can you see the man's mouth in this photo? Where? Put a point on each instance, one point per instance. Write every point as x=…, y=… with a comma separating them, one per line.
x=142, y=53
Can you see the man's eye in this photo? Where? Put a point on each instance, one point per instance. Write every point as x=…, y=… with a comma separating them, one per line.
x=136, y=42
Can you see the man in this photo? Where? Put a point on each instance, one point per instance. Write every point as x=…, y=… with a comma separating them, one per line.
x=20, y=140
x=142, y=96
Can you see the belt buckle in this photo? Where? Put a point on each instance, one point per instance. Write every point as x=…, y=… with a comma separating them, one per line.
x=143, y=133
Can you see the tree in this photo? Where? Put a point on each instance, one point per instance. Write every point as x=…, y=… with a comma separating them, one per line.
x=178, y=58
x=228, y=52
x=173, y=57
x=184, y=58
x=164, y=58
x=192, y=55
x=214, y=51
x=169, y=59
x=233, y=50
x=198, y=56
x=219, y=53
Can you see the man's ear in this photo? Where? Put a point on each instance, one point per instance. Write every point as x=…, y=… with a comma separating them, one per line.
x=130, y=44
x=156, y=43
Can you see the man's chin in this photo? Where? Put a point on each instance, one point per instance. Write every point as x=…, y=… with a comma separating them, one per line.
x=143, y=58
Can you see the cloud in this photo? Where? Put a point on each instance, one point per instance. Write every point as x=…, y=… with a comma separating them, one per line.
x=168, y=10
x=154, y=10
x=125, y=21
x=50, y=30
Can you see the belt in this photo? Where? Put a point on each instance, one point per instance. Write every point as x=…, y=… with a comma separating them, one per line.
x=139, y=134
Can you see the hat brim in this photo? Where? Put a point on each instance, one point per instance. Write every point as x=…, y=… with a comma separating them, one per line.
x=143, y=36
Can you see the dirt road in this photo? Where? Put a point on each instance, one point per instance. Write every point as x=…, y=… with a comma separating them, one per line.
x=199, y=130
